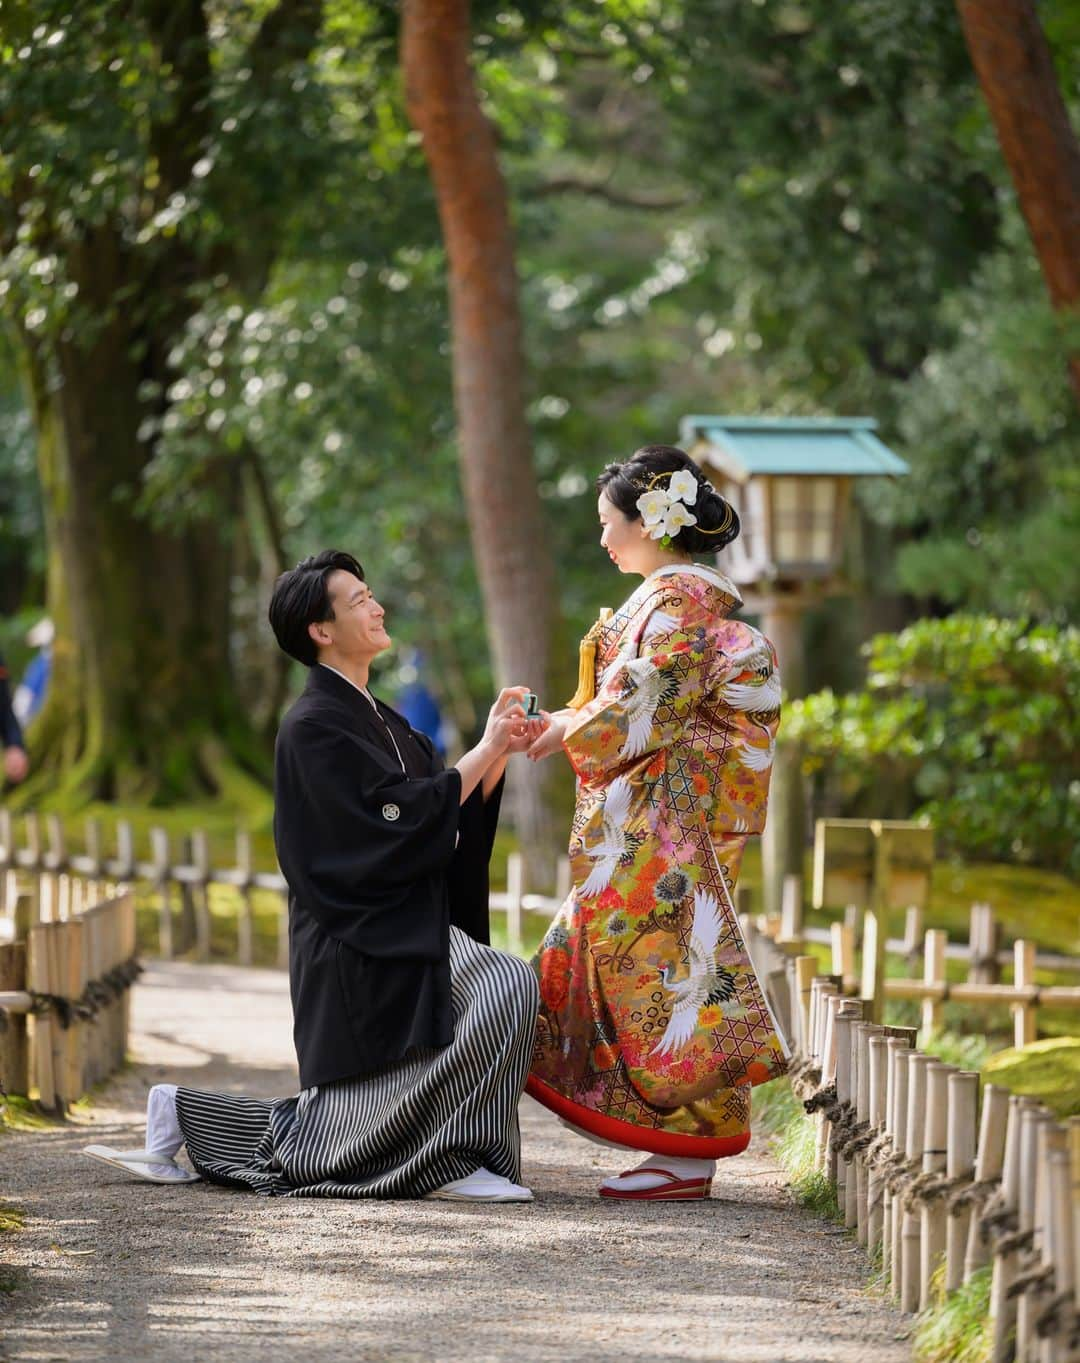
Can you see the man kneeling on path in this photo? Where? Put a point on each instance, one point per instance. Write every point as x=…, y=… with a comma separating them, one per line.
x=413, y=1037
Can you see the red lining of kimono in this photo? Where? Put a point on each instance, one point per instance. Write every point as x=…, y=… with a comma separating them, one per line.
x=646, y=1138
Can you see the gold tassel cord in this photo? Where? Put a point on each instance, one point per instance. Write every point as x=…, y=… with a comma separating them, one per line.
x=586, y=683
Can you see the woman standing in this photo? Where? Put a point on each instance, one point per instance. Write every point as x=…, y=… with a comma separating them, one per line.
x=653, y=1026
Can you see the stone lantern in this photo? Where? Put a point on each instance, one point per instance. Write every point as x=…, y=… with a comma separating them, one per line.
x=790, y=480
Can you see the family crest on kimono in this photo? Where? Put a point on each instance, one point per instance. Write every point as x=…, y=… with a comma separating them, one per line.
x=653, y=1025
x=412, y=1035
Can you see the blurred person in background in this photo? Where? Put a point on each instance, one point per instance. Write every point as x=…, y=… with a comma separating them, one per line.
x=16, y=762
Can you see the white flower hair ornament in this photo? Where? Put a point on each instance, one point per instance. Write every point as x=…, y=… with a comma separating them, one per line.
x=665, y=510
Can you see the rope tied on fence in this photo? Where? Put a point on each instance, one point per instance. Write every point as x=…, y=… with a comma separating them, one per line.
x=1015, y=1243
x=805, y=1077
x=904, y=1174
x=880, y=1153
x=997, y=1220
x=936, y=1186
x=975, y=1195
x=97, y=995
x=821, y=1100
x=861, y=1135
x=1037, y=1280
x=1050, y=1320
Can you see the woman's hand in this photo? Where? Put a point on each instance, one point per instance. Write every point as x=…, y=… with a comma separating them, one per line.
x=534, y=728
x=551, y=739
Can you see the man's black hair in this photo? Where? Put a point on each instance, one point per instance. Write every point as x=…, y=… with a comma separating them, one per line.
x=301, y=599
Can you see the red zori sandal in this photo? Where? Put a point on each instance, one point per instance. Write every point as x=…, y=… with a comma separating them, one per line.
x=673, y=1189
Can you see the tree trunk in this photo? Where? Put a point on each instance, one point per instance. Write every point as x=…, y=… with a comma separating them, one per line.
x=513, y=557
x=1016, y=72
x=139, y=704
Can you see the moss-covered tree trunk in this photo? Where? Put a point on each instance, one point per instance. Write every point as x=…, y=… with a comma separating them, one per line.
x=109, y=249
x=139, y=707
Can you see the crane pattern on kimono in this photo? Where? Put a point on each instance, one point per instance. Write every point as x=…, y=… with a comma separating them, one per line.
x=645, y=688
x=708, y=982
x=619, y=842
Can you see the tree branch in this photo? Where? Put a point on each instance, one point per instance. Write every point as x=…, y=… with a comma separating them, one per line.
x=618, y=198
x=287, y=35
x=178, y=29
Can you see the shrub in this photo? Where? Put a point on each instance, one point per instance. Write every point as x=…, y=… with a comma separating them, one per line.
x=974, y=721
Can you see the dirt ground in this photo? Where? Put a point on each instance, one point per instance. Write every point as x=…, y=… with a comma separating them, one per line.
x=107, y=1268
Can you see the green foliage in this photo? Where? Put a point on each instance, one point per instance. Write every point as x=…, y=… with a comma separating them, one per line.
x=777, y=206
x=971, y=718
x=1048, y=1070
x=957, y=1329
x=794, y=1140
x=966, y=1052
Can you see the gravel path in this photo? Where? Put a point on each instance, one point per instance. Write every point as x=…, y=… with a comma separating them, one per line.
x=110, y=1269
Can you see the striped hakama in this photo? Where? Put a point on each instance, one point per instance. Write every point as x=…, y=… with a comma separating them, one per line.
x=401, y=1132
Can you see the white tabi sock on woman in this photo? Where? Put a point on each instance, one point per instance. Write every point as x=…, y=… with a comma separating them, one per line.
x=680, y=1166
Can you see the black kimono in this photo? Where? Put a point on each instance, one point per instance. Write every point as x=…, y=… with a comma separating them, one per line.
x=379, y=862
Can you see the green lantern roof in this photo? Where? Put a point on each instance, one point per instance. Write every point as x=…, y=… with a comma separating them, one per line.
x=743, y=446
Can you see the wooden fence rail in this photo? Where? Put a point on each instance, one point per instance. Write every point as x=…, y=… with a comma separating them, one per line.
x=64, y=1002
x=936, y=1187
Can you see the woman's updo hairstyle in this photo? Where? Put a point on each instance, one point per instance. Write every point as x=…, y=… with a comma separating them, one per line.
x=623, y=484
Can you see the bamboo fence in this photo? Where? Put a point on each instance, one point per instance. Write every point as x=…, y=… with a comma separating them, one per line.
x=65, y=996
x=926, y=1180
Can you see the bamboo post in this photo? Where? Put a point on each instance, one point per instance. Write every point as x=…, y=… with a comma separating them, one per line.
x=75, y=982
x=1032, y=1119
x=1002, y=1307
x=989, y=1163
x=796, y=1036
x=963, y=1106
x=879, y=1076
x=805, y=973
x=791, y=911
x=983, y=941
x=1059, y=1241
x=873, y=948
x=911, y=1222
x=933, y=974
x=829, y=1002
x=41, y=1025
x=934, y=1159
x=245, y=924
x=823, y=991
x=851, y=1181
x=128, y=939
x=56, y=947
x=159, y=854
x=93, y=969
x=864, y=1034
x=200, y=892
x=845, y=1018
x=515, y=890
x=913, y=932
x=13, y=1045
x=1023, y=978
x=842, y=945
x=896, y=1125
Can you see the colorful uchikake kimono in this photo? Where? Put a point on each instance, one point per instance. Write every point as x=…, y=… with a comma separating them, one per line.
x=653, y=1026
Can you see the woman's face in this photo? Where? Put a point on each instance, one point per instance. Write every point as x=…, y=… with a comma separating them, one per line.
x=624, y=539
